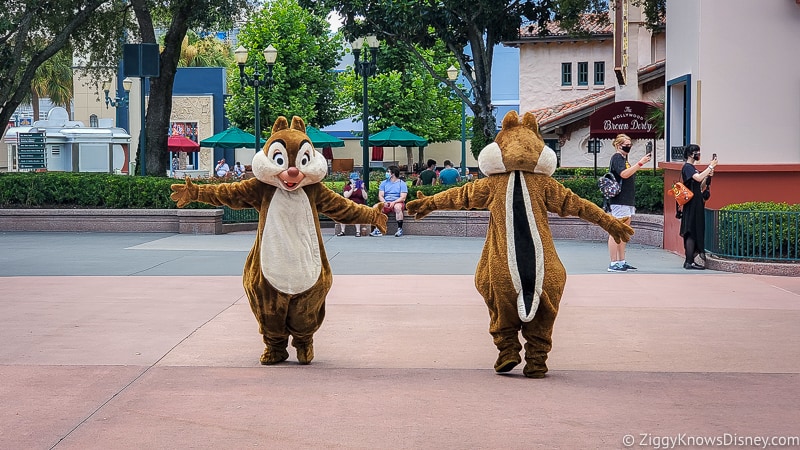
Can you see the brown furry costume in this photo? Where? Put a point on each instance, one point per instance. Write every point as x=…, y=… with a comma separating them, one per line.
x=519, y=274
x=287, y=275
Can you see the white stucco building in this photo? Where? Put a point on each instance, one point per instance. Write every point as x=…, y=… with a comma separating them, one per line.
x=564, y=78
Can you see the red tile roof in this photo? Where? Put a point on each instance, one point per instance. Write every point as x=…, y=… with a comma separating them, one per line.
x=593, y=24
x=550, y=114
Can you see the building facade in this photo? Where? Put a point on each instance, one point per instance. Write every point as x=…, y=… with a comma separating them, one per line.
x=564, y=78
x=732, y=87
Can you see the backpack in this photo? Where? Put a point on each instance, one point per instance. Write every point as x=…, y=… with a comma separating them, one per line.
x=608, y=185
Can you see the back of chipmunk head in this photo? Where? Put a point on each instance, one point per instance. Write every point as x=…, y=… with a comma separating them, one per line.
x=518, y=146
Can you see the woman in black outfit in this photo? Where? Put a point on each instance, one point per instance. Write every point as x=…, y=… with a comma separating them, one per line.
x=693, y=224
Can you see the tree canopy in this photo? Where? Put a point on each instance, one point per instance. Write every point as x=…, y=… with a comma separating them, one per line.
x=305, y=83
x=470, y=30
x=33, y=31
x=176, y=17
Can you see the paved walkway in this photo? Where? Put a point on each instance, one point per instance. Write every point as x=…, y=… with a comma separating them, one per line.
x=132, y=341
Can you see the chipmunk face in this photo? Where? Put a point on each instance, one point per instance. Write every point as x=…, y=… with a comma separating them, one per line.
x=288, y=159
x=518, y=146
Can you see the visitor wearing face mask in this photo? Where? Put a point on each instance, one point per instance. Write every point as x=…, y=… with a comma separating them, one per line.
x=693, y=222
x=623, y=205
x=392, y=193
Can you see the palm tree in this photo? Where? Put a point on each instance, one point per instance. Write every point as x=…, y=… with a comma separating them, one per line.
x=204, y=52
x=655, y=115
x=53, y=80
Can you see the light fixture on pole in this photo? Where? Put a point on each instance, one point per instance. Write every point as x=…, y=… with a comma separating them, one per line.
x=270, y=55
x=118, y=102
x=366, y=67
x=452, y=75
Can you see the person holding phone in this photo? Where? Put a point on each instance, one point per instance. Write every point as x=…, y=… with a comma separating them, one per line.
x=693, y=222
x=354, y=190
x=623, y=204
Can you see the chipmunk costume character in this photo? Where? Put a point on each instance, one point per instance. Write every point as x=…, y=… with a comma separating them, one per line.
x=287, y=275
x=519, y=274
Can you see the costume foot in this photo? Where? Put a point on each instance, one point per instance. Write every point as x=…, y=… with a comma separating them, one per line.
x=506, y=361
x=305, y=353
x=274, y=355
x=534, y=370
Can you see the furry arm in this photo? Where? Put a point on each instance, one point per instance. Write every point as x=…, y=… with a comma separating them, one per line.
x=564, y=202
x=343, y=210
x=240, y=195
x=475, y=195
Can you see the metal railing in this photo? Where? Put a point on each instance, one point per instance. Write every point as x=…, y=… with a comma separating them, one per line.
x=239, y=215
x=753, y=235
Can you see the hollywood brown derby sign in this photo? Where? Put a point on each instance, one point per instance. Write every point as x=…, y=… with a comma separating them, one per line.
x=627, y=117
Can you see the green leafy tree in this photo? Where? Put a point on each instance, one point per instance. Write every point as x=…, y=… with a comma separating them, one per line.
x=23, y=23
x=470, y=29
x=305, y=83
x=404, y=93
x=176, y=17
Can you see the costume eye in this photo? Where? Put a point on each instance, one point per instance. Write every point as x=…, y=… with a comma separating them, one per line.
x=305, y=159
x=278, y=158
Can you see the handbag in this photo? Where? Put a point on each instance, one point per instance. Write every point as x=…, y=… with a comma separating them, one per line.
x=682, y=193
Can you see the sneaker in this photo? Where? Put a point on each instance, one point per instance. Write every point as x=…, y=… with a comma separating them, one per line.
x=399, y=232
x=376, y=232
x=616, y=267
x=628, y=266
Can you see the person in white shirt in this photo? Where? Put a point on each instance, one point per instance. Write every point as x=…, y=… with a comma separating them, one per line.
x=238, y=169
x=222, y=168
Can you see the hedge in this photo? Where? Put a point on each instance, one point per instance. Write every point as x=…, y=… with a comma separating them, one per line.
x=99, y=190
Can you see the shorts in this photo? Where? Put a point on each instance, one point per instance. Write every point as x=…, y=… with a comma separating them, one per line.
x=621, y=211
x=387, y=209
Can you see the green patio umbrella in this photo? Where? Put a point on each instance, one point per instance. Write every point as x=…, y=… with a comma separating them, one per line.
x=231, y=138
x=395, y=136
x=323, y=139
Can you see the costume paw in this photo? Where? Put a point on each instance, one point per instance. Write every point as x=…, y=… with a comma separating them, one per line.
x=305, y=353
x=382, y=218
x=507, y=361
x=534, y=369
x=421, y=207
x=273, y=355
x=620, y=231
x=183, y=194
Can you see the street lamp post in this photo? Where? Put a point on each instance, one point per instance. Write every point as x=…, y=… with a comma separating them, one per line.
x=452, y=75
x=118, y=102
x=366, y=67
x=270, y=55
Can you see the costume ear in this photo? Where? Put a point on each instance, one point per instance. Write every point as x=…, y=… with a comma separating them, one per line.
x=298, y=124
x=529, y=121
x=280, y=124
x=510, y=120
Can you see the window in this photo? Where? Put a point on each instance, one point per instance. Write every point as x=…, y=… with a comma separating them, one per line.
x=599, y=73
x=583, y=73
x=566, y=74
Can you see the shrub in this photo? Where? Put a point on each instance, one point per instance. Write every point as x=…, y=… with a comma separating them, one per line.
x=86, y=190
x=100, y=190
x=759, y=230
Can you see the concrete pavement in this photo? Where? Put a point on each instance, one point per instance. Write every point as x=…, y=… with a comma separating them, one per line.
x=135, y=340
